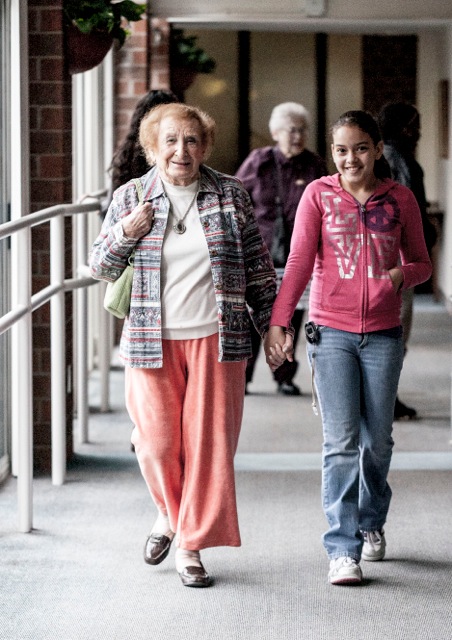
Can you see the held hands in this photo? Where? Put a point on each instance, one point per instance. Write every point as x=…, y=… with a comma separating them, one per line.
x=138, y=223
x=278, y=346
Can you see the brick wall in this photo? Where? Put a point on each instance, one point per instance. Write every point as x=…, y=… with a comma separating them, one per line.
x=136, y=72
x=133, y=76
x=51, y=169
x=51, y=184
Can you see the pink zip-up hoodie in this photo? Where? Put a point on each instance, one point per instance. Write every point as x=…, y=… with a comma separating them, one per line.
x=349, y=248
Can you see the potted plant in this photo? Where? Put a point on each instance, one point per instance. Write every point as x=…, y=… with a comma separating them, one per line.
x=186, y=61
x=91, y=26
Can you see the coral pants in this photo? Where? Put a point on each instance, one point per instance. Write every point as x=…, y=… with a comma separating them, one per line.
x=187, y=418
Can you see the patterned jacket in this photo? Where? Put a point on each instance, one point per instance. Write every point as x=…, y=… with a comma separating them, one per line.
x=242, y=270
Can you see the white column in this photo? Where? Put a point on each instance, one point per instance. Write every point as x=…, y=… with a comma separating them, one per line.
x=58, y=351
x=21, y=335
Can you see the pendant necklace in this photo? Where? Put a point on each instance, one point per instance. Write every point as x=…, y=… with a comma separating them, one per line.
x=179, y=226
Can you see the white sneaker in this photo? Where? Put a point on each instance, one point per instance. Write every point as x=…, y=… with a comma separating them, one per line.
x=345, y=570
x=374, y=547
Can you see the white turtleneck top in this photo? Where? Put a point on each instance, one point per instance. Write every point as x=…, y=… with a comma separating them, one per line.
x=189, y=308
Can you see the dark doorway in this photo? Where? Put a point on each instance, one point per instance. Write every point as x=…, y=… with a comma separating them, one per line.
x=389, y=70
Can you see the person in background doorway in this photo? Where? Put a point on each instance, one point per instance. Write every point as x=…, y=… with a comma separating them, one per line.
x=129, y=160
x=201, y=268
x=360, y=234
x=400, y=126
x=276, y=177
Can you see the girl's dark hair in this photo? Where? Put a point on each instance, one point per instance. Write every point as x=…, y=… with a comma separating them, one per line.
x=129, y=160
x=367, y=123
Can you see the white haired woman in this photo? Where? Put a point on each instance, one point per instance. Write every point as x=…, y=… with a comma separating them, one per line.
x=276, y=177
x=200, y=263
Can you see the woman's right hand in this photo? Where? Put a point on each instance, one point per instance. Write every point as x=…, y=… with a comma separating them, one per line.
x=139, y=222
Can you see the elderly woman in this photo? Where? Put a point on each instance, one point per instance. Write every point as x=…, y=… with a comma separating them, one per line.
x=200, y=263
x=276, y=177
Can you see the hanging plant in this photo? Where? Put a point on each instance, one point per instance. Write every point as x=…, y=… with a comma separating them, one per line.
x=91, y=26
x=186, y=61
x=111, y=16
x=185, y=53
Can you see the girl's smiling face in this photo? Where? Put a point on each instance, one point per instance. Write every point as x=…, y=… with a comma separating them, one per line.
x=354, y=154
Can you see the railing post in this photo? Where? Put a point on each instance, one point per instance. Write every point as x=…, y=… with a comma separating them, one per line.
x=19, y=321
x=22, y=379
x=82, y=334
x=105, y=340
x=24, y=414
x=58, y=351
x=21, y=348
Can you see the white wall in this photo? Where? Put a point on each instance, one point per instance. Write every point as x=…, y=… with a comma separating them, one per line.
x=289, y=76
x=445, y=179
x=429, y=74
x=344, y=86
x=216, y=93
x=291, y=59
x=290, y=9
x=388, y=9
x=283, y=68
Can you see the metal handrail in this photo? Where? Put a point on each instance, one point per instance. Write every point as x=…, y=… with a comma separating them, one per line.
x=19, y=320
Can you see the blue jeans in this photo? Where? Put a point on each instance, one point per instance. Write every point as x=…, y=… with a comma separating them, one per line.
x=356, y=377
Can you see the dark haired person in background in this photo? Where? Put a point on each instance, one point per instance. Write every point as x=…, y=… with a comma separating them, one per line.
x=400, y=126
x=129, y=160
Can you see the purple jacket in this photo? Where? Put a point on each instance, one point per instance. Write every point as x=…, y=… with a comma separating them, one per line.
x=259, y=176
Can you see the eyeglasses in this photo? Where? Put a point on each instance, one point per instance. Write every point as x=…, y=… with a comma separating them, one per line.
x=292, y=131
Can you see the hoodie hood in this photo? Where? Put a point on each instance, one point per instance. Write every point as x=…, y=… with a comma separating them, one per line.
x=333, y=182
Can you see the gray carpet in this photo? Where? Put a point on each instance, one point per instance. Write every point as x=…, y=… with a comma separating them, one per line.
x=80, y=574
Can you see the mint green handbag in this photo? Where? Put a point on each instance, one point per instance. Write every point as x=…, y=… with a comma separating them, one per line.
x=118, y=293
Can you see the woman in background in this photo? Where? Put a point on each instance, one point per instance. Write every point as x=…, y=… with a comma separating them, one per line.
x=129, y=160
x=276, y=177
x=400, y=126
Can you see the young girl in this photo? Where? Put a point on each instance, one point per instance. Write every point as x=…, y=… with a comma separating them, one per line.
x=360, y=234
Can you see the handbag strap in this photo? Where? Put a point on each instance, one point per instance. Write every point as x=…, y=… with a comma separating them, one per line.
x=279, y=246
x=277, y=175
x=139, y=188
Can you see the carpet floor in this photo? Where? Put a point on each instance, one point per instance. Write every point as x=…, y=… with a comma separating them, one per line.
x=80, y=574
